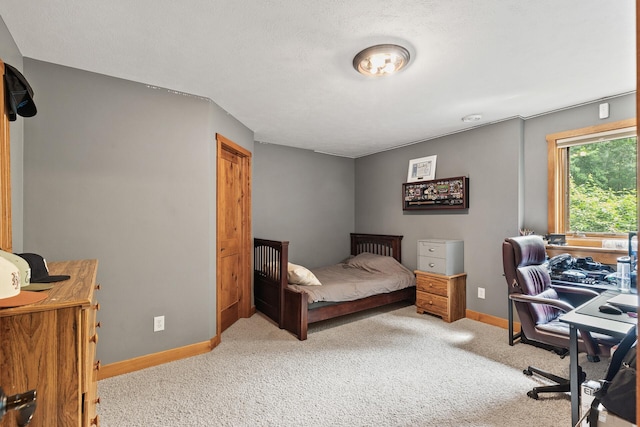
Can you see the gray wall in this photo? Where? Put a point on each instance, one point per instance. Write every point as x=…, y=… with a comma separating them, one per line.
x=10, y=54
x=125, y=173
x=535, y=153
x=489, y=156
x=306, y=198
x=507, y=166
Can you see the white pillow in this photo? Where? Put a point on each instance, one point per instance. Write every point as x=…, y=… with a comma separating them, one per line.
x=298, y=275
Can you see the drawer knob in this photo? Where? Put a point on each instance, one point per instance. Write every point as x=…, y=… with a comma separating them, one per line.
x=94, y=338
x=97, y=306
x=431, y=264
x=99, y=324
x=95, y=421
x=97, y=365
x=97, y=401
x=430, y=302
x=432, y=249
x=98, y=287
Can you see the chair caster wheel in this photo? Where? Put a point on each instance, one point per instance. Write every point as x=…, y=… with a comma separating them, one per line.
x=527, y=372
x=532, y=394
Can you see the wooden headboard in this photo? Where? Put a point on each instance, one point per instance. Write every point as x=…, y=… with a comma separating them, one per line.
x=379, y=244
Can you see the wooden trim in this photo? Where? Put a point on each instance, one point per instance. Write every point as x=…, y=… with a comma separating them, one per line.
x=149, y=360
x=5, y=170
x=556, y=165
x=492, y=320
x=155, y=359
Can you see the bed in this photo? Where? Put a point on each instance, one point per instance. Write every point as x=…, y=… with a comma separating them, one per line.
x=293, y=308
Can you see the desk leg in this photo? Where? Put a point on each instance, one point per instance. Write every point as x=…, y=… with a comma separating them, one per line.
x=574, y=375
x=510, y=318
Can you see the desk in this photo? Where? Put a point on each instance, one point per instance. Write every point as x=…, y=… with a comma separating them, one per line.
x=577, y=320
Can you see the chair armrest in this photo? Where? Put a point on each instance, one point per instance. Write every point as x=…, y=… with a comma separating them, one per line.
x=575, y=290
x=589, y=342
x=566, y=307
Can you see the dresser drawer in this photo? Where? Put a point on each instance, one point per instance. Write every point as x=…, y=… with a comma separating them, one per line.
x=432, y=285
x=431, y=303
x=432, y=265
x=432, y=248
x=90, y=342
x=442, y=295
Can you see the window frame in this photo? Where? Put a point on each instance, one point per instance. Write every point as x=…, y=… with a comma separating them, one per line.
x=558, y=182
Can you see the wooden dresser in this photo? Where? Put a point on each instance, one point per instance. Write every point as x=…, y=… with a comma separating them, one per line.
x=444, y=296
x=50, y=346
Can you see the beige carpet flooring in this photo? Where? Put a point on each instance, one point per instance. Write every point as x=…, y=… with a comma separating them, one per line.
x=387, y=367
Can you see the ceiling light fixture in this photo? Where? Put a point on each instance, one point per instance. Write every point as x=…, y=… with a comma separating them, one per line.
x=381, y=60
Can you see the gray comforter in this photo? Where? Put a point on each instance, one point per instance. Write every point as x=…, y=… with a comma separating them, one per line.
x=358, y=277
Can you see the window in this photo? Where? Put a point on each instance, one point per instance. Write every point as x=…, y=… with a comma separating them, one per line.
x=593, y=183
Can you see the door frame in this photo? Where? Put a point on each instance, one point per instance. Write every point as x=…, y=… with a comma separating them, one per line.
x=5, y=170
x=244, y=275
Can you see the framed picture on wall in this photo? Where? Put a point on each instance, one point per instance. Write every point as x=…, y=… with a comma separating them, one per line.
x=422, y=169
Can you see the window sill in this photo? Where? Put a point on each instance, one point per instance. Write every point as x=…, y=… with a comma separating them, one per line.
x=601, y=255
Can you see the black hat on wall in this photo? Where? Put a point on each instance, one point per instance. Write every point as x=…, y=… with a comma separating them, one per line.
x=19, y=94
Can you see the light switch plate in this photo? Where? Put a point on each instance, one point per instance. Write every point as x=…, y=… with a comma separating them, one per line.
x=604, y=110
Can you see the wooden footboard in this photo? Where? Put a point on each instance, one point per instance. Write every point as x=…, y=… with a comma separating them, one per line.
x=295, y=318
x=290, y=309
x=269, y=282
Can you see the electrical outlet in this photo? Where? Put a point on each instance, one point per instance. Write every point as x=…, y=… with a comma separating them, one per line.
x=158, y=323
x=481, y=293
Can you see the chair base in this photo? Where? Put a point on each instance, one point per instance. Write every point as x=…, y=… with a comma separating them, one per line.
x=562, y=385
x=562, y=352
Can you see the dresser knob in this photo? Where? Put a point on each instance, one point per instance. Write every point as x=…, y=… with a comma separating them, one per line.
x=432, y=249
x=97, y=365
x=97, y=306
x=98, y=287
x=97, y=401
x=431, y=264
x=99, y=324
x=94, y=338
x=95, y=421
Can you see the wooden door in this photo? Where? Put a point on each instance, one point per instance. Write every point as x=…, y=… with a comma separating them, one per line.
x=233, y=233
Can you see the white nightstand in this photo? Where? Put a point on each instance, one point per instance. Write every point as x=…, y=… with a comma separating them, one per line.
x=441, y=256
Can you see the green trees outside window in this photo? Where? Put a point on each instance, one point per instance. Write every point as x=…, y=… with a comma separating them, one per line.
x=602, y=186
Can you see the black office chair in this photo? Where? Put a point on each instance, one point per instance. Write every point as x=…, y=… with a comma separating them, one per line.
x=539, y=304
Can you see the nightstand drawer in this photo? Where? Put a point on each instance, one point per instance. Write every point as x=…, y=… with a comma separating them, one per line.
x=444, y=296
x=433, y=285
x=432, y=265
x=430, y=248
x=441, y=256
x=431, y=303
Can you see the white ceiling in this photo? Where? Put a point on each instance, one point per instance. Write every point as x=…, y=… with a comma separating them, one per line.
x=284, y=68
